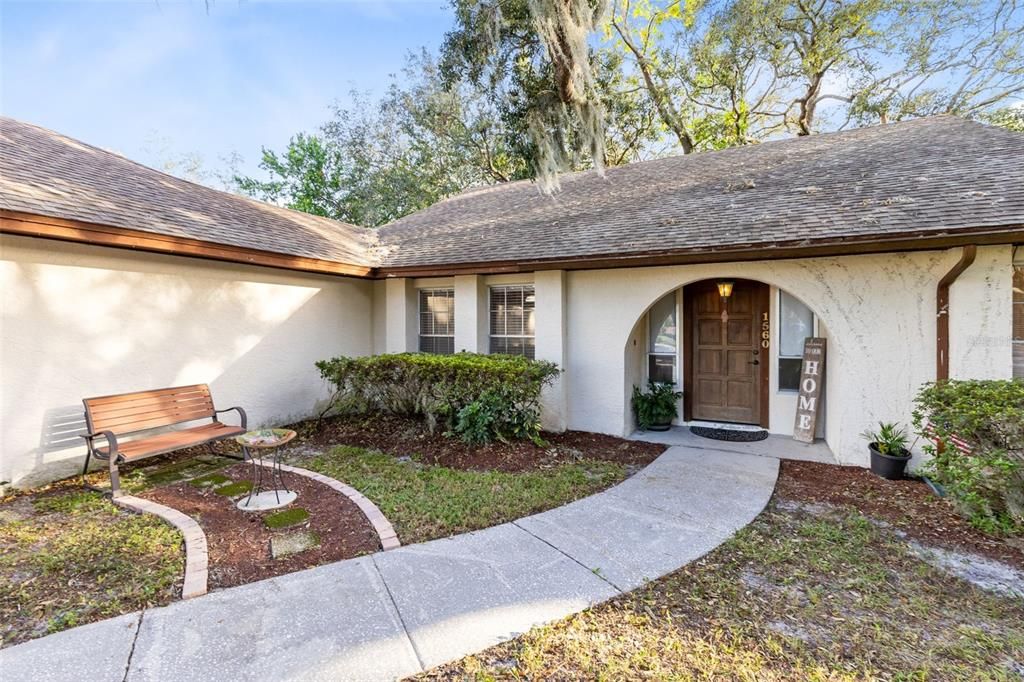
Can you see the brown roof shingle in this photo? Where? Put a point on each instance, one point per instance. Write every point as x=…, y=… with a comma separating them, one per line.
x=46, y=173
x=931, y=174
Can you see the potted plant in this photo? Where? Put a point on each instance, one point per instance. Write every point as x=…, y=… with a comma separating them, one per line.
x=656, y=409
x=888, y=447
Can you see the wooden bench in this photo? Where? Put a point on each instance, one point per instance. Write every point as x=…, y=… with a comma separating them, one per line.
x=112, y=416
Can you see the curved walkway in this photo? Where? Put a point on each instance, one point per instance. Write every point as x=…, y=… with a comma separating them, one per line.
x=396, y=613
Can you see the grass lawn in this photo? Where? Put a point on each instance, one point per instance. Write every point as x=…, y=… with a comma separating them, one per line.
x=806, y=592
x=425, y=501
x=69, y=557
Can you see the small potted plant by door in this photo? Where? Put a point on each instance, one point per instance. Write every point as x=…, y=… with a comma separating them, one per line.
x=656, y=409
x=888, y=447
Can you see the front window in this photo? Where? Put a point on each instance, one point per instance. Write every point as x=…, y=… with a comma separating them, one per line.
x=663, y=337
x=512, y=320
x=437, y=321
x=796, y=323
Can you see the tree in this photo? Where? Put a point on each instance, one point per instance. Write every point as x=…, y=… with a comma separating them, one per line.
x=376, y=161
x=567, y=104
x=1011, y=118
x=737, y=71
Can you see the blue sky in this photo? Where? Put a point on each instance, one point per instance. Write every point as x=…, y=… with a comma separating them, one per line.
x=158, y=80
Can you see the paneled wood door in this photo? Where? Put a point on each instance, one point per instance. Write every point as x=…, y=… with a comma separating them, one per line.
x=725, y=363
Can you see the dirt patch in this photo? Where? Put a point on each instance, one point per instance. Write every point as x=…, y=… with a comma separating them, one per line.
x=402, y=436
x=239, y=542
x=909, y=506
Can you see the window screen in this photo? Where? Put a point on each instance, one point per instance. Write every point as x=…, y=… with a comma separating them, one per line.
x=796, y=323
x=662, y=340
x=437, y=321
x=512, y=320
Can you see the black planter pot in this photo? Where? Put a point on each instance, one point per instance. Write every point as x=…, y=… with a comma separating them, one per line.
x=887, y=466
x=659, y=427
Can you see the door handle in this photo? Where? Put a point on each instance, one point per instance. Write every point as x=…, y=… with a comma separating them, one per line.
x=754, y=362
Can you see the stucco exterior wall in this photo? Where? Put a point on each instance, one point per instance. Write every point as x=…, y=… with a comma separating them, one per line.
x=877, y=311
x=79, y=321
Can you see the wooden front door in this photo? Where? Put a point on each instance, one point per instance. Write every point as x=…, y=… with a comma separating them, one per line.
x=726, y=363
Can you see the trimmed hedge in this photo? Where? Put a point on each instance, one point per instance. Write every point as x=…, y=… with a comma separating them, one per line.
x=477, y=397
x=987, y=483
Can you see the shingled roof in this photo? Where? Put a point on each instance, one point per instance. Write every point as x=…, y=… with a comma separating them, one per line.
x=46, y=173
x=926, y=176
x=916, y=181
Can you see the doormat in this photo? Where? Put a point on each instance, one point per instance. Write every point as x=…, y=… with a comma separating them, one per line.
x=735, y=435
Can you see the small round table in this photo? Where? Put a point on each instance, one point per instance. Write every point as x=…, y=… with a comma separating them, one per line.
x=254, y=445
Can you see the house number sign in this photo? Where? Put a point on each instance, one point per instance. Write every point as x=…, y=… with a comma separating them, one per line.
x=808, y=401
x=766, y=332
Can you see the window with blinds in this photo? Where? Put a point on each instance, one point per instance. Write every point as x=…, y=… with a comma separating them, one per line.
x=437, y=321
x=512, y=320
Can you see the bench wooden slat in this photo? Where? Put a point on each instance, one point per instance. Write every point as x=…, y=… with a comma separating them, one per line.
x=150, y=408
x=174, y=440
x=123, y=406
x=148, y=402
x=140, y=395
x=154, y=422
x=130, y=412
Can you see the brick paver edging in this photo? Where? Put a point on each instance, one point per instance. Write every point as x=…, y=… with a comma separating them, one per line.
x=385, y=531
x=196, y=554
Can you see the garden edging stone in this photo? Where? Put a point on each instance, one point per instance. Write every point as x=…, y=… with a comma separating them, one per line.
x=197, y=555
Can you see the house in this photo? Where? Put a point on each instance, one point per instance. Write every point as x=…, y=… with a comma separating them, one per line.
x=898, y=244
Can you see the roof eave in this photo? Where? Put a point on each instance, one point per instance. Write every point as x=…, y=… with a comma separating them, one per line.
x=922, y=241
x=49, y=227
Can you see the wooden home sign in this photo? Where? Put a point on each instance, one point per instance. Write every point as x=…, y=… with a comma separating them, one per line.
x=808, y=402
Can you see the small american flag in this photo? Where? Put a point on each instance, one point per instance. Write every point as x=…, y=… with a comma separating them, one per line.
x=961, y=444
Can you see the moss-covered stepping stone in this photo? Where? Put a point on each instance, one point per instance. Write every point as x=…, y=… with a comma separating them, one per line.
x=234, y=489
x=288, y=517
x=209, y=480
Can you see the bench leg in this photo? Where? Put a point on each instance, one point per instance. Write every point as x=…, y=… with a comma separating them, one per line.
x=85, y=469
x=115, y=480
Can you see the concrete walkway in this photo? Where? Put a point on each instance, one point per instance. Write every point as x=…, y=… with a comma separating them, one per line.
x=397, y=613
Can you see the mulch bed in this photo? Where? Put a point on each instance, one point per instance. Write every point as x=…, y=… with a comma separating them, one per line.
x=908, y=505
x=239, y=542
x=404, y=436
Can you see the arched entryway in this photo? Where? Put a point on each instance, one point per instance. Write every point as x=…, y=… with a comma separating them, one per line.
x=732, y=345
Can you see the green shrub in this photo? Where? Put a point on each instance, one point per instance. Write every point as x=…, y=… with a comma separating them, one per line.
x=657, y=406
x=987, y=483
x=477, y=397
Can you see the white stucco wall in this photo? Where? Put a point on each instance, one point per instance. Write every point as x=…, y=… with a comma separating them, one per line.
x=877, y=311
x=79, y=321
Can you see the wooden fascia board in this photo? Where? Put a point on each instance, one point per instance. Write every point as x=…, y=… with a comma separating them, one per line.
x=13, y=222
x=930, y=241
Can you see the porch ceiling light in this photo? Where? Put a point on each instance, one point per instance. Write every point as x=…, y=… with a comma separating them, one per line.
x=725, y=289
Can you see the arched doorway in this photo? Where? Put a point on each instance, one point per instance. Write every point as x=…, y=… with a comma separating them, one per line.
x=736, y=358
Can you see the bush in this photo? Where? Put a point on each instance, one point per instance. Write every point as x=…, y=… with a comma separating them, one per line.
x=657, y=406
x=987, y=483
x=478, y=397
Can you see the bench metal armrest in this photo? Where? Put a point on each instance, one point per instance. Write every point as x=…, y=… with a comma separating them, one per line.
x=241, y=413
x=111, y=442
